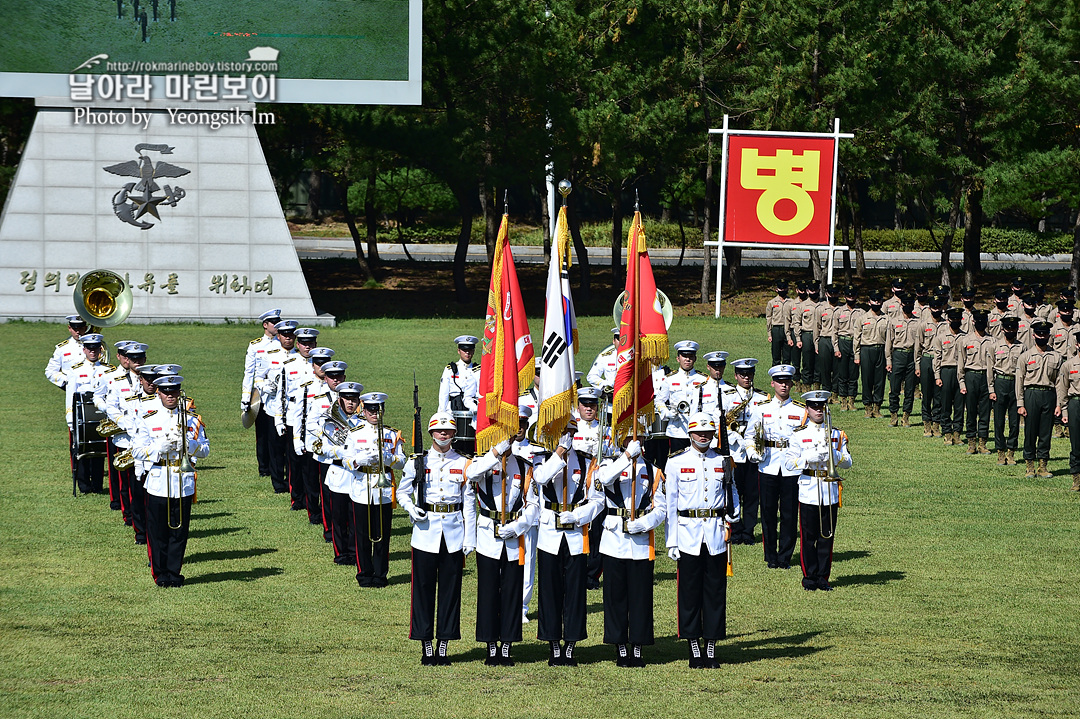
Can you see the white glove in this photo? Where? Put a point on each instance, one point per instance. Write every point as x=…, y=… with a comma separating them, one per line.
x=634, y=449
x=416, y=514
x=507, y=531
x=298, y=447
x=502, y=447
x=567, y=518
x=674, y=553
x=566, y=441
x=731, y=519
x=280, y=428
x=636, y=526
x=468, y=550
x=245, y=406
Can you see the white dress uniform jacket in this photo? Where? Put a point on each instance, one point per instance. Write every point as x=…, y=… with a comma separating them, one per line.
x=444, y=483
x=587, y=438
x=110, y=397
x=695, y=483
x=602, y=372
x=733, y=396
x=779, y=420
x=254, y=359
x=152, y=443
x=85, y=376
x=361, y=457
x=549, y=481
x=296, y=374
x=808, y=454
x=678, y=386
x=301, y=396
x=338, y=478
x=460, y=379
x=67, y=353
x=613, y=486
x=485, y=474
x=268, y=378
x=321, y=400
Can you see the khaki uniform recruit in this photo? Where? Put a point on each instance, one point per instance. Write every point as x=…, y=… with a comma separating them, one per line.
x=1006, y=353
x=848, y=321
x=869, y=348
x=901, y=346
x=1036, y=381
x=632, y=492
x=947, y=349
x=928, y=329
x=819, y=498
x=976, y=361
x=777, y=314
x=805, y=314
x=160, y=440
x=1068, y=398
x=826, y=340
x=702, y=503
x=442, y=507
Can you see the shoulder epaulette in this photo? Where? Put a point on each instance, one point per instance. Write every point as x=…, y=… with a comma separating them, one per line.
x=669, y=372
x=111, y=368
x=799, y=403
x=134, y=396
x=288, y=360
x=450, y=366
x=728, y=388
x=684, y=450
x=61, y=344
x=76, y=366
x=763, y=393
x=608, y=351
x=357, y=428
x=273, y=351
x=307, y=383
x=255, y=341
x=150, y=413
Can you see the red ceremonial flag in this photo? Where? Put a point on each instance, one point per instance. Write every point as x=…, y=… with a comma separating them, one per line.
x=643, y=340
x=507, y=360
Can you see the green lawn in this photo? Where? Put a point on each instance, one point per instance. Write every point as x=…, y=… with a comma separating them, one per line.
x=956, y=580
x=335, y=39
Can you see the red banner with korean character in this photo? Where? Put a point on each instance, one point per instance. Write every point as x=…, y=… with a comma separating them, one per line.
x=779, y=189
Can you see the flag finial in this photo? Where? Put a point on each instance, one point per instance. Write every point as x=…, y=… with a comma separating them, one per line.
x=565, y=188
x=506, y=202
x=637, y=202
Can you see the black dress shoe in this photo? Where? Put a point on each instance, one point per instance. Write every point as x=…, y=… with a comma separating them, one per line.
x=825, y=587
x=297, y=507
x=697, y=662
x=140, y=540
x=783, y=566
x=773, y=565
x=343, y=560
x=114, y=506
x=592, y=584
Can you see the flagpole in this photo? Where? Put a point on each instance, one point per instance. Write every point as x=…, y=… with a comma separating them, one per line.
x=637, y=347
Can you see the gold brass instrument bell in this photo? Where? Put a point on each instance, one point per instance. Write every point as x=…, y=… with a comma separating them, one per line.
x=102, y=298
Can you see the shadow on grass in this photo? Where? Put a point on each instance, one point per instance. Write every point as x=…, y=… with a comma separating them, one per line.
x=884, y=577
x=400, y=556
x=248, y=575
x=399, y=579
x=211, y=515
x=227, y=554
x=850, y=554
x=202, y=533
x=209, y=466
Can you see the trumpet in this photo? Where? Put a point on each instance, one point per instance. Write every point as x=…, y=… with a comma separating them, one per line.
x=683, y=408
x=832, y=476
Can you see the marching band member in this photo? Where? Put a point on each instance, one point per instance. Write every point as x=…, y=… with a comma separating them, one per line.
x=329, y=374
x=161, y=440
x=372, y=491
x=632, y=492
x=67, y=353
x=702, y=504
x=561, y=487
x=459, y=391
x=741, y=400
x=332, y=444
x=710, y=392
x=268, y=380
x=441, y=504
x=82, y=381
x=606, y=364
x=253, y=357
x=679, y=389
x=298, y=376
x=808, y=452
x=133, y=409
x=773, y=424
x=500, y=542
x=110, y=397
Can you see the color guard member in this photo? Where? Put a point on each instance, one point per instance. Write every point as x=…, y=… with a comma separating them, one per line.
x=819, y=495
x=441, y=504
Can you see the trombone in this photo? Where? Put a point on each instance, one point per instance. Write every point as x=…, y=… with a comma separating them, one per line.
x=831, y=476
x=381, y=482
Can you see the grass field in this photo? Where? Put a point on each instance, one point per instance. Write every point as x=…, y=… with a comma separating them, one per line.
x=956, y=580
x=336, y=39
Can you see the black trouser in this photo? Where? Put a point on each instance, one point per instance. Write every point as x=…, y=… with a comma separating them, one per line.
x=847, y=375
x=978, y=405
x=628, y=601
x=165, y=545
x=596, y=560
x=561, y=595
x=372, y=558
x=778, y=344
x=341, y=526
x=89, y=473
x=127, y=477
x=432, y=570
x=815, y=551
x=872, y=364
x=952, y=404
x=1073, y=408
x=278, y=446
x=138, y=508
x=779, y=496
x=264, y=430
x=931, y=393
x=809, y=358
x=795, y=355
x=701, y=594
x=293, y=473
x=313, y=472
x=498, y=599
x=1005, y=406
x=327, y=501
x=1039, y=423
x=826, y=363
x=746, y=482
x=115, y=501
x=903, y=375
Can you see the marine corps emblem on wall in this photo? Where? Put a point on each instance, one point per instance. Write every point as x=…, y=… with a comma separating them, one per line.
x=135, y=200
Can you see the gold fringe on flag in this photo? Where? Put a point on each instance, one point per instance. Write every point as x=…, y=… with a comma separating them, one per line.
x=554, y=415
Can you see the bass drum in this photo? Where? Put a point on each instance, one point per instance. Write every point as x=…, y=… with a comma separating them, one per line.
x=464, y=441
x=658, y=428
x=85, y=420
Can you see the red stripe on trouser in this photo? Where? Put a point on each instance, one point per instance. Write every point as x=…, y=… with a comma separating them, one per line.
x=677, y=632
x=802, y=546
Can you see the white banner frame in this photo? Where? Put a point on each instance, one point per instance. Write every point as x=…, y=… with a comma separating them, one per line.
x=719, y=243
